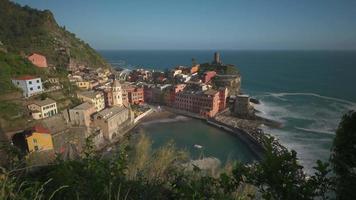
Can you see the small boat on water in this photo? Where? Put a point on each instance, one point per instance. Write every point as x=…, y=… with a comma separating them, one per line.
x=198, y=146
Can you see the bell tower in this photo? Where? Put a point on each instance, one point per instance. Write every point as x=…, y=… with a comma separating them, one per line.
x=117, y=93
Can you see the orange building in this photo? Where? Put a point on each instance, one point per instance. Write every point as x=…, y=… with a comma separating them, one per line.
x=135, y=95
x=38, y=60
x=194, y=69
x=39, y=139
x=208, y=76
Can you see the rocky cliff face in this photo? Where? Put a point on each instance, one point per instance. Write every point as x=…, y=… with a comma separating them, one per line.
x=24, y=30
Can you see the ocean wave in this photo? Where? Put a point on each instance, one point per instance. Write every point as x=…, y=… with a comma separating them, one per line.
x=303, y=113
x=279, y=95
x=169, y=120
x=315, y=130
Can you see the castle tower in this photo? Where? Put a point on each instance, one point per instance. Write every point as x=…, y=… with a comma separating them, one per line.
x=217, y=58
x=117, y=93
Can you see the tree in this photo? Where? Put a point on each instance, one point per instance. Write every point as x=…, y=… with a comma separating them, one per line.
x=343, y=157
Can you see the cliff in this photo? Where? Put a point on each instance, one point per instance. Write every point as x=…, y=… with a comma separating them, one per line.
x=24, y=30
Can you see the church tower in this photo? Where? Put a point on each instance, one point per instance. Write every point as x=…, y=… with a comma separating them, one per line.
x=117, y=93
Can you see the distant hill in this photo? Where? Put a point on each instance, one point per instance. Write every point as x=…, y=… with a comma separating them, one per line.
x=24, y=30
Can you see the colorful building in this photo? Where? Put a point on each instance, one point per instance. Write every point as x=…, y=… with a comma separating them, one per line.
x=223, y=94
x=207, y=76
x=39, y=139
x=38, y=60
x=204, y=103
x=30, y=85
x=135, y=95
x=194, y=69
x=94, y=97
x=41, y=109
x=115, y=95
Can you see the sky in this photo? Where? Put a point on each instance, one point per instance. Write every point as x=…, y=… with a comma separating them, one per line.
x=208, y=24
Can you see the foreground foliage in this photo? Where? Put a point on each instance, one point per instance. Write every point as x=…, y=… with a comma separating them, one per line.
x=137, y=172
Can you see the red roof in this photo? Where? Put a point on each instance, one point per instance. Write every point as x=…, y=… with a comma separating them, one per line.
x=40, y=129
x=25, y=77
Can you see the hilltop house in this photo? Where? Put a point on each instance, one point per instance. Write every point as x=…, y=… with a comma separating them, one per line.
x=38, y=139
x=30, y=85
x=35, y=139
x=38, y=60
x=43, y=108
x=94, y=97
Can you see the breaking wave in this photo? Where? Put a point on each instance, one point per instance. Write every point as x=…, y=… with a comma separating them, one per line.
x=309, y=122
x=169, y=120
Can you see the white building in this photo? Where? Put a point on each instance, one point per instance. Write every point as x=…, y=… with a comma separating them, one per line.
x=30, y=85
x=43, y=109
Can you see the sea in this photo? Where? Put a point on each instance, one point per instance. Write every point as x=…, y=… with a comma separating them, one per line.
x=308, y=91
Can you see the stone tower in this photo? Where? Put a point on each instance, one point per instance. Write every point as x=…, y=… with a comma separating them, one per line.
x=217, y=58
x=117, y=93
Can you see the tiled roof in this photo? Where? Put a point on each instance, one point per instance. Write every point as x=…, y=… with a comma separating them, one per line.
x=44, y=102
x=26, y=77
x=40, y=129
x=83, y=106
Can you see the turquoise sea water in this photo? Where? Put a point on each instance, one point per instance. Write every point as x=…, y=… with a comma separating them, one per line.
x=186, y=132
x=308, y=91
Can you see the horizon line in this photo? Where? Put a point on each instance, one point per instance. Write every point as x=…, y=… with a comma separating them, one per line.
x=143, y=49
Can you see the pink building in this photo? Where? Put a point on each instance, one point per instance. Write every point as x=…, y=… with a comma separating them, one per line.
x=135, y=94
x=222, y=98
x=38, y=60
x=204, y=103
x=208, y=76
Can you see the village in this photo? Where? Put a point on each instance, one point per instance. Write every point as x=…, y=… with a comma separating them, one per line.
x=111, y=102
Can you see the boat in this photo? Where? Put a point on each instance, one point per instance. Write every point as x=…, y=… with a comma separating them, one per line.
x=198, y=146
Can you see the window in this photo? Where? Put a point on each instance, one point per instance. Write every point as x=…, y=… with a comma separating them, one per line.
x=38, y=81
x=34, y=140
x=30, y=82
x=36, y=148
x=18, y=83
x=38, y=87
x=31, y=88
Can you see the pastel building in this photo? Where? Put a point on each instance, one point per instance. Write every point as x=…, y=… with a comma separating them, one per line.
x=38, y=60
x=30, y=85
x=94, y=97
x=204, y=103
x=135, y=95
x=208, y=76
x=39, y=139
x=115, y=95
x=43, y=108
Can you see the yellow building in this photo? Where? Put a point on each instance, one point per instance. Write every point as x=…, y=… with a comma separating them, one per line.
x=39, y=139
x=83, y=84
x=94, y=97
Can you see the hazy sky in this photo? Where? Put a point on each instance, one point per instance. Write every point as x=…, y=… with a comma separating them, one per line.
x=208, y=24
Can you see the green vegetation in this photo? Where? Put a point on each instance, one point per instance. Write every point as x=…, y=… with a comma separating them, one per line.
x=12, y=65
x=24, y=30
x=220, y=69
x=10, y=110
x=344, y=157
x=138, y=172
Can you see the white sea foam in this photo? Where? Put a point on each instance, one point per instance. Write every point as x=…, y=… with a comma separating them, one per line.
x=313, y=113
x=169, y=120
x=279, y=95
x=315, y=130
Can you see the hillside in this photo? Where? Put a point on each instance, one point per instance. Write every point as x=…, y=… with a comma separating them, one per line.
x=24, y=30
